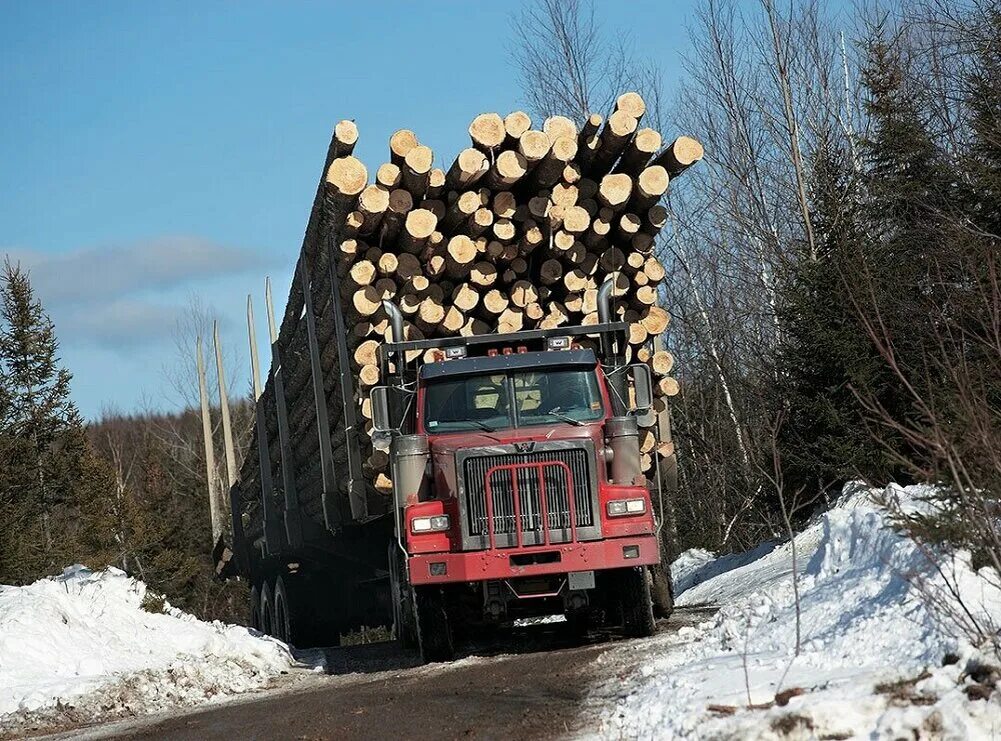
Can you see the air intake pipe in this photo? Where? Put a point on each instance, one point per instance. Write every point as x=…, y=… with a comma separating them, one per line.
x=623, y=437
x=616, y=378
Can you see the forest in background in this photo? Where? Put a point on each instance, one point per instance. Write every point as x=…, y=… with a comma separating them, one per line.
x=833, y=282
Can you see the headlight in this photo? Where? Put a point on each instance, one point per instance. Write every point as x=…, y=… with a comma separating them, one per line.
x=434, y=524
x=620, y=507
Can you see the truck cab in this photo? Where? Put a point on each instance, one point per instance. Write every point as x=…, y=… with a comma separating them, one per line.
x=517, y=482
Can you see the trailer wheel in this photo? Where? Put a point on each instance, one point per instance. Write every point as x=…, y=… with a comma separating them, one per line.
x=401, y=595
x=433, y=631
x=284, y=624
x=255, y=608
x=637, y=603
x=267, y=609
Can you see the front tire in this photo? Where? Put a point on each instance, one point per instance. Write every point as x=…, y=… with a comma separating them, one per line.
x=637, y=602
x=434, y=634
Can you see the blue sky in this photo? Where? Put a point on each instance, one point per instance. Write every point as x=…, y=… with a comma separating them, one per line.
x=152, y=153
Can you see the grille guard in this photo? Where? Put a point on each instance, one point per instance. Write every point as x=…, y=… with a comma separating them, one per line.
x=570, y=532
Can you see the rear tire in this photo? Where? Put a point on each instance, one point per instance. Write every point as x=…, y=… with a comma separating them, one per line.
x=433, y=631
x=401, y=595
x=267, y=608
x=255, y=608
x=637, y=603
x=287, y=623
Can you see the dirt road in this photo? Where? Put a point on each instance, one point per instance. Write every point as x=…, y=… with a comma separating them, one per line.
x=536, y=690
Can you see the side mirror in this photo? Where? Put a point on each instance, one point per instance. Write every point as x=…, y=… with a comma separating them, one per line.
x=642, y=387
x=380, y=409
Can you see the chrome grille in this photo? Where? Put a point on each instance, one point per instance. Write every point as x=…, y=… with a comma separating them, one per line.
x=554, y=483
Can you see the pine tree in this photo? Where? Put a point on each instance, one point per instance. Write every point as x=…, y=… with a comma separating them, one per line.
x=40, y=417
x=825, y=352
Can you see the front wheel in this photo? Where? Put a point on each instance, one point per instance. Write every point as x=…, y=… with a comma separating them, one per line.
x=636, y=601
x=434, y=634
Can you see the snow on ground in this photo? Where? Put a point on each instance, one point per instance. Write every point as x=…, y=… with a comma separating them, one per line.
x=82, y=645
x=871, y=663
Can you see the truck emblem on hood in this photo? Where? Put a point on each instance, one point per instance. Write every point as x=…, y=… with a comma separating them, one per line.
x=527, y=447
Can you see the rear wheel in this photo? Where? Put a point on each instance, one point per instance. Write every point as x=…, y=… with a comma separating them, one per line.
x=255, y=608
x=636, y=601
x=287, y=625
x=267, y=608
x=401, y=595
x=433, y=631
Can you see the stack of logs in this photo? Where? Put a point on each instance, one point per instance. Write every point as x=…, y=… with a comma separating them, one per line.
x=517, y=233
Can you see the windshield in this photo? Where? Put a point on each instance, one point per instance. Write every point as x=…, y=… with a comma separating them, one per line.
x=540, y=397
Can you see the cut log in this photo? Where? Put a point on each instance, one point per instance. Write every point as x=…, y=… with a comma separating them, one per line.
x=461, y=249
x=534, y=146
x=367, y=353
x=510, y=320
x=656, y=219
x=420, y=224
x=681, y=154
x=618, y=130
x=654, y=270
x=644, y=145
x=388, y=176
x=465, y=297
x=668, y=386
x=345, y=137
x=632, y=104
x=494, y=302
x=362, y=273
x=453, y=321
x=347, y=177
x=614, y=191
x=655, y=320
x=400, y=204
x=483, y=274
x=368, y=375
x=487, y=131
x=650, y=186
x=509, y=168
x=564, y=195
x=550, y=168
x=662, y=362
x=460, y=211
x=480, y=221
x=557, y=127
x=468, y=168
x=431, y=311
x=523, y=293
x=504, y=230
x=366, y=301
x=372, y=203
x=576, y=220
x=516, y=124
x=436, y=183
x=417, y=170
x=504, y=205
x=401, y=142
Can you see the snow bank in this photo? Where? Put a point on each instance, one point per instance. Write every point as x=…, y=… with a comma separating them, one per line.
x=868, y=634
x=83, y=639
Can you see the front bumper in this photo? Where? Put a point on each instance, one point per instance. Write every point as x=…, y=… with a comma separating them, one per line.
x=507, y=563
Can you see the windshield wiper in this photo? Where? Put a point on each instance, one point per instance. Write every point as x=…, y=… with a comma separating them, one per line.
x=559, y=415
x=482, y=425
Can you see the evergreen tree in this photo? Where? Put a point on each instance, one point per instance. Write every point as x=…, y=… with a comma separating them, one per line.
x=40, y=421
x=825, y=352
